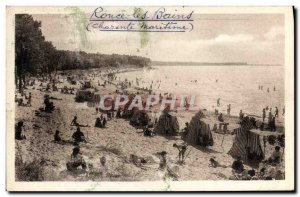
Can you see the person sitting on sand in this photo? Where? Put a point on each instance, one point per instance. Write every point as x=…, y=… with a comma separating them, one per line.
x=237, y=165
x=216, y=112
x=98, y=123
x=147, y=131
x=118, y=115
x=163, y=160
x=48, y=87
x=109, y=116
x=20, y=102
x=29, y=99
x=220, y=117
x=76, y=160
x=276, y=156
x=214, y=163
x=74, y=121
x=78, y=136
x=18, y=131
x=57, y=138
x=184, y=131
x=49, y=107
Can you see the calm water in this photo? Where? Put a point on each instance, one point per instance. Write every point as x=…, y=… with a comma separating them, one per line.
x=236, y=85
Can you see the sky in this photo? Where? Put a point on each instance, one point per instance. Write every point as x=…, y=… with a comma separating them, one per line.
x=251, y=38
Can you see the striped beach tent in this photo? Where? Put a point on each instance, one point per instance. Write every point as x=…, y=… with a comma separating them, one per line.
x=246, y=144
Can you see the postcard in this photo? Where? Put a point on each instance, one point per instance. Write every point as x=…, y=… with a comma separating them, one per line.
x=150, y=99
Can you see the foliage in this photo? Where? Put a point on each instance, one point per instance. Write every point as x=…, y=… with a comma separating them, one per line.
x=34, y=55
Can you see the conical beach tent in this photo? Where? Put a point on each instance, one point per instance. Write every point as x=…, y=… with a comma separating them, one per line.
x=198, y=132
x=167, y=124
x=139, y=118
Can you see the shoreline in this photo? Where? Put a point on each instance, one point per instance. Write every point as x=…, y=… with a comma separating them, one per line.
x=117, y=142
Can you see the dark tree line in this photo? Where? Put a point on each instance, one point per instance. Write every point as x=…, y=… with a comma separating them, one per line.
x=82, y=60
x=36, y=56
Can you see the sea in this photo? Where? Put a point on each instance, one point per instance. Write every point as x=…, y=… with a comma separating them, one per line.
x=237, y=85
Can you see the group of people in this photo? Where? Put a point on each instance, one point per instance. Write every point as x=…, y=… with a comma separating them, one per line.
x=261, y=87
x=265, y=172
x=66, y=90
x=271, y=118
x=100, y=122
x=21, y=102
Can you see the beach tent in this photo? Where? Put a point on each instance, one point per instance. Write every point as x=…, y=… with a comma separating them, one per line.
x=139, y=118
x=246, y=144
x=198, y=131
x=167, y=124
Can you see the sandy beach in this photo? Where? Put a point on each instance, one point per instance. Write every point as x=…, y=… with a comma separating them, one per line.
x=117, y=143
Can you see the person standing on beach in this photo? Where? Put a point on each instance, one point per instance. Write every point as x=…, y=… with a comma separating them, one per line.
x=218, y=102
x=270, y=118
x=268, y=90
x=57, y=138
x=241, y=115
x=276, y=112
x=104, y=122
x=273, y=125
x=283, y=111
x=264, y=114
x=28, y=99
x=228, y=109
x=18, y=131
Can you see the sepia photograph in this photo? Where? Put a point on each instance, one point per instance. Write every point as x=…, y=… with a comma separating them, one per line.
x=150, y=98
